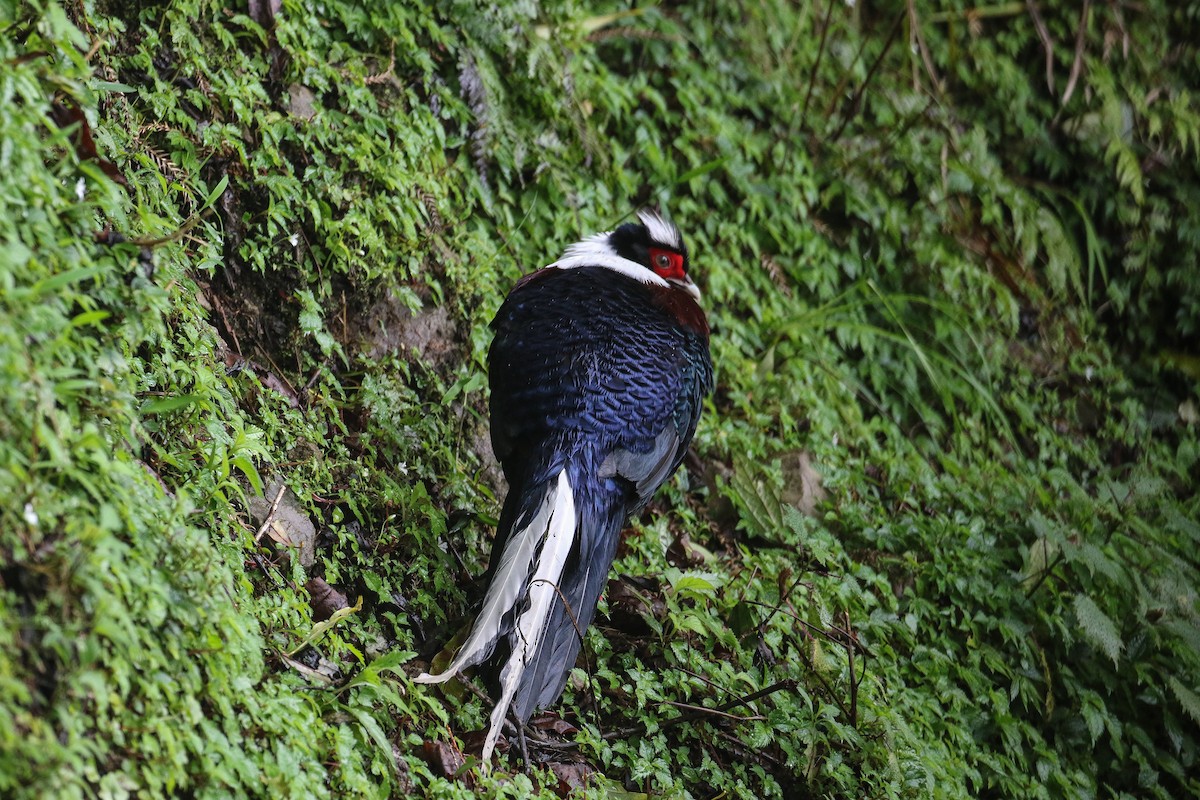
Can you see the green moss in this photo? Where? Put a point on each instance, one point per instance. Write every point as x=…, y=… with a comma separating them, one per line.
x=966, y=298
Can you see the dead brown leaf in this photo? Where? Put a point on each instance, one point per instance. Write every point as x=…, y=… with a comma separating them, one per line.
x=325, y=599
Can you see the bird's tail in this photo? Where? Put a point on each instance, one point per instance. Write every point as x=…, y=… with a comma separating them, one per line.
x=521, y=599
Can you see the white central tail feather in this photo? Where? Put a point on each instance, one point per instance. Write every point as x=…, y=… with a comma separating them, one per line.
x=553, y=528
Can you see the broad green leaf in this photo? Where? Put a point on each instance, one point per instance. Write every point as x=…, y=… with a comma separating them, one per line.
x=1097, y=628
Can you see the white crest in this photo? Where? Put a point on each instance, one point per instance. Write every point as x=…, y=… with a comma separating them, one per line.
x=660, y=229
x=595, y=251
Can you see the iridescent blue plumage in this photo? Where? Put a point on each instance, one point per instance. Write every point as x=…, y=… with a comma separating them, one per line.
x=598, y=370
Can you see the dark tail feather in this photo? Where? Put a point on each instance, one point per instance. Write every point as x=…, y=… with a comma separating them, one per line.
x=521, y=595
x=577, y=594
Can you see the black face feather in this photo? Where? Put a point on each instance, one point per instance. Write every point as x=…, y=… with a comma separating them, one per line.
x=633, y=241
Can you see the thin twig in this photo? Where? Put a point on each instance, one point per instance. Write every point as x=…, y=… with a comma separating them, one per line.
x=739, y=750
x=387, y=73
x=710, y=683
x=702, y=711
x=812, y=75
x=783, y=598
x=1077, y=64
x=95, y=48
x=853, y=105
x=1058, y=558
x=812, y=628
x=850, y=640
x=847, y=74
x=788, y=683
x=270, y=514
x=237, y=346
x=278, y=373
x=1047, y=42
x=174, y=236
x=914, y=30
x=522, y=745
x=317, y=373
x=262, y=564
x=587, y=660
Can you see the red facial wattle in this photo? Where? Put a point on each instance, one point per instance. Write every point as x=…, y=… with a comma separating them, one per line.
x=667, y=264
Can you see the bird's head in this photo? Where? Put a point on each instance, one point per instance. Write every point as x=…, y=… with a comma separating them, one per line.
x=650, y=250
x=655, y=244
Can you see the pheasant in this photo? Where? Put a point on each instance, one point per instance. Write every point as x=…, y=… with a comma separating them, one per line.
x=598, y=371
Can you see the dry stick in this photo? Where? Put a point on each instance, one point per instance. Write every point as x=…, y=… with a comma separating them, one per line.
x=522, y=745
x=1077, y=64
x=853, y=683
x=701, y=711
x=237, y=345
x=96, y=45
x=317, y=372
x=914, y=28
x=844, y=81
x=812, y=629
x=387, y=73
x=782, y=599
x=270, y=514
x=259, y=561
x=278, y=373
x=711, y=712
x=174, y=236
x=1047, y=43
x=870, y=74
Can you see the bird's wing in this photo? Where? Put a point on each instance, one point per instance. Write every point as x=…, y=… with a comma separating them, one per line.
x=581, y=359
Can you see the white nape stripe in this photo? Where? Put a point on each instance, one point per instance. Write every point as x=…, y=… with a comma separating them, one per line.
x=595, y=251
x=508, y=585
x=660, y=230
x=543, y=592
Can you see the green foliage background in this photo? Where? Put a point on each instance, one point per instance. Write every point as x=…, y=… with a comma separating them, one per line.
x=949, y=256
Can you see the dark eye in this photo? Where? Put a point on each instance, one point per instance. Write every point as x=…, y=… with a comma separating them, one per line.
x=662, y=261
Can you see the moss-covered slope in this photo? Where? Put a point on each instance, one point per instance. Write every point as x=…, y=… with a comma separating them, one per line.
x=940, y=523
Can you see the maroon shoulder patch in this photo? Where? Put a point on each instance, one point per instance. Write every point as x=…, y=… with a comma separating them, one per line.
x=534, y=277
x=683, y=307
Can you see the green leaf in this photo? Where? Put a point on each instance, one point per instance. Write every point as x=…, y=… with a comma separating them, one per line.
x=321, y=628
x=89, y=318
x=1097, y=628
x=1187, y=698
x=113, y=86
x=761, y=505
x=163, y=405
x=217, y=191
x=56, y=282
x=698, y=583
x=1041, y=553
x=73, y=386
x=703, y=169
x=742, y=618
x=247, y=468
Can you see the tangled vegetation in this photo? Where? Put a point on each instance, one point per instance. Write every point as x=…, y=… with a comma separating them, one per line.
x=938, y=537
